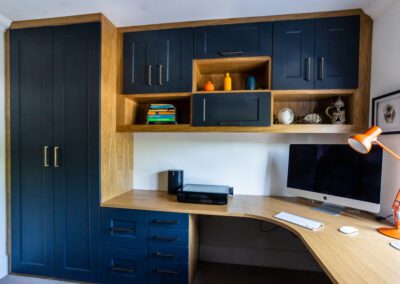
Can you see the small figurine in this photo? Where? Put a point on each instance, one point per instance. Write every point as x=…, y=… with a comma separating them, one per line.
x=209, y=86
x=336, y=112
x=285, y=116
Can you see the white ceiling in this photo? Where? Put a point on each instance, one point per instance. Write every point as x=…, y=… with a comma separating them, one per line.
x=140, y=12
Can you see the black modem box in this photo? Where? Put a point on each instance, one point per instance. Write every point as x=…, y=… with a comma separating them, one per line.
x=204, y=194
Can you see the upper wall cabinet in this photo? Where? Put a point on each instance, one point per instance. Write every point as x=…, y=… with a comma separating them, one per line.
x=233, y=40
x=320, y=54
x=158, y=61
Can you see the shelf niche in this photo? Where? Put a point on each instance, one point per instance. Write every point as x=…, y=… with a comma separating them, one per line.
x=313, y=102
x=239, y=69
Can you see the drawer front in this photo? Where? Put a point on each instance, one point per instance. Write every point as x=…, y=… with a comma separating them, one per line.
x=168, y=270
x=124, y=266
x=124, y=228
x=160, y=280
x=168, y=253
x=233, y=40
x=168, y=237
x=168, y=220
x=246, y=109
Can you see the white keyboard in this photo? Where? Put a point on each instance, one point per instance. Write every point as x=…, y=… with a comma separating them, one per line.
x=303, y=222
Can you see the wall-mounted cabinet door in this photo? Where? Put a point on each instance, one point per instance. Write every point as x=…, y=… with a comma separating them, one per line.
x=174, y=65
x=76, y=151
x=32, y=218
x=293, y=55
x=253, y=39
x=245, y=109
x=337, y=51
x=139, y=63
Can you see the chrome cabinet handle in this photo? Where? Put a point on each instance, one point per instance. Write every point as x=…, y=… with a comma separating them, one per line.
x=149, y=75
x=204, y=110
x=122, y=230
x=46, y=156
x=321, y=68
x=160, y=67
x=166, y=239
x=165, y=222
x=56, y=157
x=162, y=271
x=166, y=255
x=122, y=269
x=230, y=53
x=308, y=69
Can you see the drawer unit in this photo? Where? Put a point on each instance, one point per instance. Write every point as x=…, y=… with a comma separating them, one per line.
x=168, y=220
x=170, y=237
x=124, y=228
x=168, y=270
x=168, y=253
x=124, y=266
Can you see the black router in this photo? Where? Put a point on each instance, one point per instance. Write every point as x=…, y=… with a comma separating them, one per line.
x=204, y=194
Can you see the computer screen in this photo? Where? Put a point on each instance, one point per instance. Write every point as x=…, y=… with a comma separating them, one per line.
x=336, y=170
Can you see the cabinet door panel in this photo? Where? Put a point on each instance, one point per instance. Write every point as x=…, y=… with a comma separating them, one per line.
x=175, y=54
x=293, y=54
x=247, y=109
x=76, y=133
x=31, y=183
x=337, y=50
x=233, y=40
x=140, y=59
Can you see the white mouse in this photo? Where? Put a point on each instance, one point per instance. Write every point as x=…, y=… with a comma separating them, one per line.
x=348, y=230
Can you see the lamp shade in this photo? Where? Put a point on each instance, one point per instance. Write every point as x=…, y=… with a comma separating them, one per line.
x=363, y=142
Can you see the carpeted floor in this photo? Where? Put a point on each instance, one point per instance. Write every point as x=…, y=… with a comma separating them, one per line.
x=16, y=279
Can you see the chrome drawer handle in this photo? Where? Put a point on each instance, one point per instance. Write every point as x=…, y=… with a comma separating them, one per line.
x=122, y=269
x=46, y=156
x=162, y=271
x=166, y=255
x=56, y=157
x=228, y=53
x=166, y=239
x=165, y=222
x=122, y=230
x=149, y=75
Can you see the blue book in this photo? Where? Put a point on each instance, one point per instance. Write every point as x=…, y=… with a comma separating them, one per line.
x=171, y=116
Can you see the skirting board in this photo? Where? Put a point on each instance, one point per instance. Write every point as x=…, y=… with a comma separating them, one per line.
x=3, y=266
x=288, y=259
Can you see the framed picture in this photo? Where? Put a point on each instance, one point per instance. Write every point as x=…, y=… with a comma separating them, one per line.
x=386, y=112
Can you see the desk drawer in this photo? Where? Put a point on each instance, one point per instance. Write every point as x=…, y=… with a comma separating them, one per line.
x=168, y=220
x=168, y=237
x=124, y=228
x=168, y=253
x=124, y=266
x=168, y=270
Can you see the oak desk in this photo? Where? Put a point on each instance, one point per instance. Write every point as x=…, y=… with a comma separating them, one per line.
x=364, y=258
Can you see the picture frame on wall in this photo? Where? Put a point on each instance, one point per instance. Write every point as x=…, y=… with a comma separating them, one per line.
x=386, y=112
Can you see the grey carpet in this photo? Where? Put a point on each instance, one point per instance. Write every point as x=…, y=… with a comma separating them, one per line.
x=16, y=279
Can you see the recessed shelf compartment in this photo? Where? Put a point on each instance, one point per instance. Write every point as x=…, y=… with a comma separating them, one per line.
x=239, y=69
x=313, y=101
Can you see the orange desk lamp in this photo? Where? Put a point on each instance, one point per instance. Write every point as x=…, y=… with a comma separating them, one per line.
x=362, y=143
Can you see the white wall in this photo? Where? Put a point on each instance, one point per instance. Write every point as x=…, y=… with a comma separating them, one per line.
x=385, y=79
x=3, y=211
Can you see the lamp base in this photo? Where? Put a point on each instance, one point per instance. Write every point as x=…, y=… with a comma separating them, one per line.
x=390, y=232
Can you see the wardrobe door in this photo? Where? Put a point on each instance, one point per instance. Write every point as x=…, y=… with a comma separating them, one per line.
x=76, y=151
x=31, y=178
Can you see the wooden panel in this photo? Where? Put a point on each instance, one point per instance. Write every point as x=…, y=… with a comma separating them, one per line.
x=346, y=259
x=193, y=245
x=116, y=148
x=57, y=21
x=241, y=20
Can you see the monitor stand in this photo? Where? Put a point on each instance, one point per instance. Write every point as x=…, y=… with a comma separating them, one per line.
x=330, y=209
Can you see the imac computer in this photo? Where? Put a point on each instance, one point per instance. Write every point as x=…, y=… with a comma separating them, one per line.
x=336, y=175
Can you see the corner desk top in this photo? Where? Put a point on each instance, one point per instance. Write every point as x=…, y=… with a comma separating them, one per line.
x=365, y=257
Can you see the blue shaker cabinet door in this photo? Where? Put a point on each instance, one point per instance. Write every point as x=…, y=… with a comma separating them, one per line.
x=253, y=39
x=337, y=50
x=76, y=162
x=140, y=60
x=174, y=65
x=31, y=182
x=293, y=55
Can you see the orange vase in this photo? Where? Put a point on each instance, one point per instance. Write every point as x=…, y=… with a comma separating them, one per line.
x=209, y=86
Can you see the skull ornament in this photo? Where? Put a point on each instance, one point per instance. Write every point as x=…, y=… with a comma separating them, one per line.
x=336, y=112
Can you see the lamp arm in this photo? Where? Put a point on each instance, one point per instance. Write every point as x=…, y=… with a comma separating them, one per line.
x=387, y=150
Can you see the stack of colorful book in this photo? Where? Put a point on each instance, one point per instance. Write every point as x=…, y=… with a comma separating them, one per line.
x=161, y=114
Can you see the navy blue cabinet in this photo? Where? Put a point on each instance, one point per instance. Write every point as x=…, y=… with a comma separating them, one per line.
x=293, y=54
x=158, y=61
x=337, y=50
x=244, y=109
x=55, y=151
x=253, y=39
x=320, y=54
